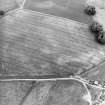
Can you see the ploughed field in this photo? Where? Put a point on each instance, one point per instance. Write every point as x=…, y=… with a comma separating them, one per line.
x=48, y=54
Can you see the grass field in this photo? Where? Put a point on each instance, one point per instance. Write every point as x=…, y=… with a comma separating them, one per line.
x=71, y=9
x=41, y=93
